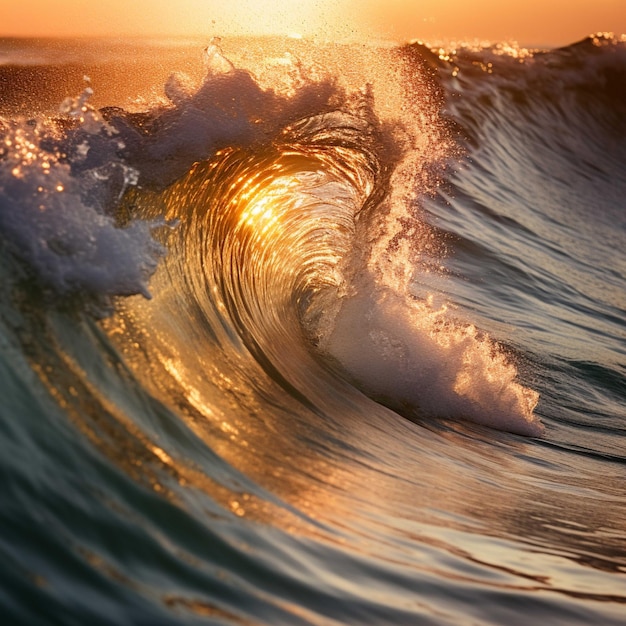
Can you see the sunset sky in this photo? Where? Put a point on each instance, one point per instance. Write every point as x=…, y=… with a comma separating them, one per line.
x=549, y=22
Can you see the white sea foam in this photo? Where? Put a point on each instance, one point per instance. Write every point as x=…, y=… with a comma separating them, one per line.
x=54, y=201
x=414, y=354
x=417, y=359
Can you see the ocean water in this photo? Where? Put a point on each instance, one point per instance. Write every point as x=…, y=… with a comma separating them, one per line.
x=296, y=332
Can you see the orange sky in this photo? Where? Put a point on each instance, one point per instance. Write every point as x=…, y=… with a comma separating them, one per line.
x=551, y=22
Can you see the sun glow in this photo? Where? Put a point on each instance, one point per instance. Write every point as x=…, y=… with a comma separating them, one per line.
x=528, y=22
x=160, y=17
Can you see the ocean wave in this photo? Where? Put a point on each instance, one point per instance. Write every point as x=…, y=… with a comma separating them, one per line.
x=289, y=222
x=324, y=178
x=222, y=298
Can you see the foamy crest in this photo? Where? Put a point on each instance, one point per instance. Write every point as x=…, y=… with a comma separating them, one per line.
x=415, y=358
x=57, y=193
x=409, y=353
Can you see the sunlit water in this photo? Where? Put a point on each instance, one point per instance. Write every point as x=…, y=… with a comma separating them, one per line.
x=312, y=334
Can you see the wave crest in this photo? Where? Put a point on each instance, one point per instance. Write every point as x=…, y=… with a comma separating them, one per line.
x=300, y=236
x=293, y=238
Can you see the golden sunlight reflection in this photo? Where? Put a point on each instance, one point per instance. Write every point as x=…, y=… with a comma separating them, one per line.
x=261, y=206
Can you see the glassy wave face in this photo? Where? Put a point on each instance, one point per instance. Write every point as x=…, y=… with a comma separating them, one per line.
x=300, y=333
